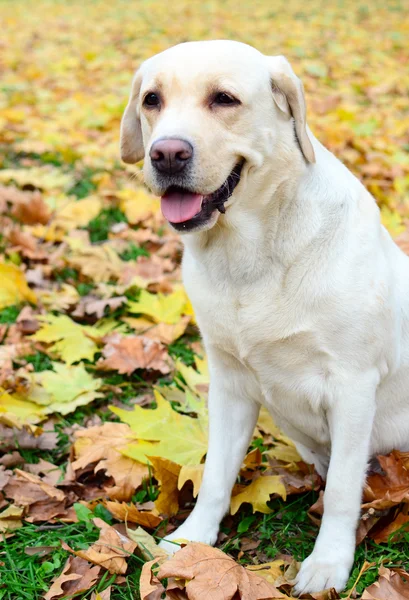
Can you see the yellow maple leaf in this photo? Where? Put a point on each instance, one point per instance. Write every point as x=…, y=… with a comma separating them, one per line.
x=64, y=389
x=164, y=432
x=10, y=519
x=258, y=494
x=14, y=288
x=45, y=177
x=69, y=339
x=99, y=263
x=167, y=473
x=161, y=308
x=137, y=204
x=193, y=473
x=78, y=213
x=16, y=411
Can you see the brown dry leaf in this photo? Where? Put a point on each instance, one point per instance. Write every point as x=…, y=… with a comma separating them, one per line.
x=25, y=489
x=12, y=438
x=50, y=473
x=110, y=551
x=5, y=476
x=384, y=491
x=167, y=473
x=210, y=573
x=150, y=586
x=26, y=244
x=126, y=354
x=28, y=207
x=77, y=577
x=102, y=445
x=400, y=523
x=390, y=586
x=130, y=514
x=89, y=305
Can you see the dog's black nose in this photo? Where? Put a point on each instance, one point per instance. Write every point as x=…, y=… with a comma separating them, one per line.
x=171, y=155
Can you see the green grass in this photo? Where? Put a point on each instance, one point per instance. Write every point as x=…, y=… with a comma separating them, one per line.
x=100, y=226
x=29, y=577
x=9, y=315
x=133, y=251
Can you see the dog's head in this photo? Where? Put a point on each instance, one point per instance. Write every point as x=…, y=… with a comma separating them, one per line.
x=204, y=116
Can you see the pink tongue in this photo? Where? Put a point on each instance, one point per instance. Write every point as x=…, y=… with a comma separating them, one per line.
x=178, y=207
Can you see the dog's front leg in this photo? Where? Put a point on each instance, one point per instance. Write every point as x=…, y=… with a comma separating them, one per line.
x=350, y=421
x=232, y=418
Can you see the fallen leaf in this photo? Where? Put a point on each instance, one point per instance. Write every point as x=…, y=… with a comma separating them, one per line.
x=167, y=473
x=166, y=433
x=208, y=572
x=70, y=341
x=78, y=213
x=16, y=411
x=147, y=545
x=137, y=204
x=270, y=571
x=14, y=288
x=390, y=586
x=64, y=389
x=10, y=519
x=101, y=446
x=161, y=308
x=193, y=473
x=130, y=514
x=99, y=263
x=78, y=576
x=150, y=586
x=110, y=551
x=258, y=494
x=126, y=354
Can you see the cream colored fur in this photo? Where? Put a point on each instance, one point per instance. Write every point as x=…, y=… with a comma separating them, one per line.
x=301, y=295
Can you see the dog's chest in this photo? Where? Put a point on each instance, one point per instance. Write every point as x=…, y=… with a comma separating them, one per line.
x=267, y=332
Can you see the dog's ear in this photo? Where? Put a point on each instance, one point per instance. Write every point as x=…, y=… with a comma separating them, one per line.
x=132, y=149
x=288, y=93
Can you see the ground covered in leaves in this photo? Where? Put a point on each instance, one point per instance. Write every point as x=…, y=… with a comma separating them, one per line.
x=103, y=379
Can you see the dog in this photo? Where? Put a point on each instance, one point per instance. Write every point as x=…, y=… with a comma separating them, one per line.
x=301, y=296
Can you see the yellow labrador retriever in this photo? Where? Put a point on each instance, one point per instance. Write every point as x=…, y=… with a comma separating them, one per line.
x=301, y=296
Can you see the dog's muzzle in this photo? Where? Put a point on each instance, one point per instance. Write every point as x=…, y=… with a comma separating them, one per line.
x=186, y=209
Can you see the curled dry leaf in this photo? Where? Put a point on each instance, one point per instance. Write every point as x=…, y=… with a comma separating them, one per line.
x=110, y=551
x=126, y=354
x=390, y=488
x=209, y=573
x=150, y=586
x=101, y=446
x=26, y=488
x=77, y=576
x=393, y=584
x=130, y=514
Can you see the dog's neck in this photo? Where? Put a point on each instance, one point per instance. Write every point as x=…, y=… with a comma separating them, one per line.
x=267, y=222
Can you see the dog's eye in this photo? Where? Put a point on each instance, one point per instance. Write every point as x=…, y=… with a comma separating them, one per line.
x=151, y=99
x=223, y=98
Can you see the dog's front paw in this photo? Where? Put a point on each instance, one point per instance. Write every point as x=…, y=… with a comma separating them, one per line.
x=187, y=533
x=319, y=573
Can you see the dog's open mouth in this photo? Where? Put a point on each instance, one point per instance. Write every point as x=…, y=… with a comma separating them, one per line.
x=186, y=209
